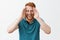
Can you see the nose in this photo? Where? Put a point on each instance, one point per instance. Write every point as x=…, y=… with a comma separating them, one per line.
x=29, y=12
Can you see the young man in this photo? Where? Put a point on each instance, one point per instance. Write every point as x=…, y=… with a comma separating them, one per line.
x=29, y=24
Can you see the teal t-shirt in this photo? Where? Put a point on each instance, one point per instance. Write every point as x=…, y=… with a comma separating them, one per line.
x=29, y=31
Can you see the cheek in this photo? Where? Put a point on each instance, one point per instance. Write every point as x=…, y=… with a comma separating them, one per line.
x=26, y=14
x=32, y=14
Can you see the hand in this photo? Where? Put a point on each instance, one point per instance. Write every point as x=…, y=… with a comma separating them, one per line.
x=23, y=13
x=36, y=14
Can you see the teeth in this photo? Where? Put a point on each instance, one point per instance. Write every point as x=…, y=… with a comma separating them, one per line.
x=29, y=15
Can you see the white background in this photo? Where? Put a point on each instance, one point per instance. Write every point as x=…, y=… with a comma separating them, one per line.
x=49, y=10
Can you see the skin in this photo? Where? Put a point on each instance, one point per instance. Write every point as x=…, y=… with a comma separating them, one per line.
x=45, y=27
x=30, y=13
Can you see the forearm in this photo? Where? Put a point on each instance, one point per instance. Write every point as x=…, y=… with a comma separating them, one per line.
x=44, y=26
x=39, y=20
x=14, y=26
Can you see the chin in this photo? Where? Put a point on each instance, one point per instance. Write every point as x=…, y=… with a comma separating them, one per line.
x=29, y=18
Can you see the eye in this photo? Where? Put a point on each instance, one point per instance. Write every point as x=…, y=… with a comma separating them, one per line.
x=31, y=10
x=27, y=10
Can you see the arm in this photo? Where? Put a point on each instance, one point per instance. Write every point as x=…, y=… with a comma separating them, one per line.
x=44, y=26
x=14, y=26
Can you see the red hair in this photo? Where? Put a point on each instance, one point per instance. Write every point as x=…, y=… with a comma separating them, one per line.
x=30, y=4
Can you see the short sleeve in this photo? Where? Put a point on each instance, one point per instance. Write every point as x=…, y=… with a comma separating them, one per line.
x=20, y=24
x=37, y=23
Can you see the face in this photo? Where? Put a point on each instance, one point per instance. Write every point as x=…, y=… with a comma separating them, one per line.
x=29, y=12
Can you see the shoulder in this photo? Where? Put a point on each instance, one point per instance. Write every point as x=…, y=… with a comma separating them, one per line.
x=37, y=23
x=21, y=22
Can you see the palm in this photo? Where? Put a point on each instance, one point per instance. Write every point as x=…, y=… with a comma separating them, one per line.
x=36, y=14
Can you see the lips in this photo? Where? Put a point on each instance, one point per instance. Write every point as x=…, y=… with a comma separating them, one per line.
x=29, y=16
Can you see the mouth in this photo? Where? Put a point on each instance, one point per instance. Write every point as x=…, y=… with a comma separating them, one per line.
x=29, y=16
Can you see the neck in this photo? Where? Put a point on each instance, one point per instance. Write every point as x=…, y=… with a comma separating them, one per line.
x=29, y=20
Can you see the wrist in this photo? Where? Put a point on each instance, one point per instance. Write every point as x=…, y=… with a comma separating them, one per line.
x=36, y=17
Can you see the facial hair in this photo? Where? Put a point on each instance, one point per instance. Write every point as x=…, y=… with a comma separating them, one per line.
x=29, y=17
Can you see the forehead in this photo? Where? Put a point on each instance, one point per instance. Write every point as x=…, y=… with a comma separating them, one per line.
x=29, y=8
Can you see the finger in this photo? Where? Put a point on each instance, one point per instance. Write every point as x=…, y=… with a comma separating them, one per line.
x=23, y=13
x=34, y=9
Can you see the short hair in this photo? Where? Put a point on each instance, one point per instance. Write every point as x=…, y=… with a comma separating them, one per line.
x=31, y=4
x=28, y=4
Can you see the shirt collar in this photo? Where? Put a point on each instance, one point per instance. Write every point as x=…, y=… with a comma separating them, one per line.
x=30, y=22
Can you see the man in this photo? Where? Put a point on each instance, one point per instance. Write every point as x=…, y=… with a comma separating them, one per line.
x=29, y=24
